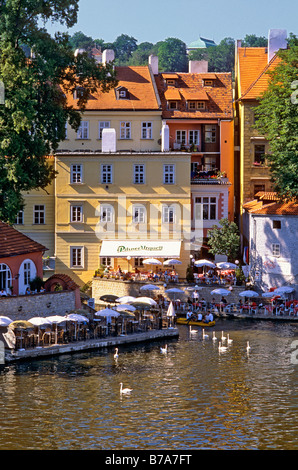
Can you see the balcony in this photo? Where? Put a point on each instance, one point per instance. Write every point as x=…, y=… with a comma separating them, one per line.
x=208, y=177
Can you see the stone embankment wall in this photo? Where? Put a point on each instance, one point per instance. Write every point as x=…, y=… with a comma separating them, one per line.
x=24, y=307
x=101, y=286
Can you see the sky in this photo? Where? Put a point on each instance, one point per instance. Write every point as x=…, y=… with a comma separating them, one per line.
x=187, y=20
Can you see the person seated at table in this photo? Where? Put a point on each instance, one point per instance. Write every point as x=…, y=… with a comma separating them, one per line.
x=223, y=300
x=42, y=290
x=28, y=291
x=3, y=293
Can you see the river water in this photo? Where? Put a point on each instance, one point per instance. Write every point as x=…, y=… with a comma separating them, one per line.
x=193, y=397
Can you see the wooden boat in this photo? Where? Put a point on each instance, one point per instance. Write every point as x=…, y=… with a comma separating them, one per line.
x=184, y=321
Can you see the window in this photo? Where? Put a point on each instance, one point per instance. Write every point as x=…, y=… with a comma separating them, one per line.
x=76, y=214
x=79, y=93
x=208, y=82
x=27, y=273
x=181, y=137
x=205, y=208
x=277, y=224
x=169, y=174
x=146, y=130
x=275, y=249
x=76, y=256
x=83, y=131
x=5, y=277
x=106, y=174
x=172, y=104
x=76, y=173
x=125, y=130
x=106, y=261
x=171, y=81
x=194, y=137
x=210, y=133
x=106, y=213
x=102, y=125
x=168, y=214
x=20, y=218
x=139, y=215
x=196, y=105
x=139, y=174
x=259, y=154
x=39, y=214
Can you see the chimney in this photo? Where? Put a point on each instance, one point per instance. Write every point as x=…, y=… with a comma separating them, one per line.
x=153, y=62
x=277, y=39
x=108, y=55
x=198, y=66
x=79, y=51
x=108, y=141
x=165, y=138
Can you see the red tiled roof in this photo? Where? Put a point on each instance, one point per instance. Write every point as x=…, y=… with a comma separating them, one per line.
x=267, y=195
x=219, y=104
x=13, y=242
x=277, y=208
x=138, y=82
x=253, y=68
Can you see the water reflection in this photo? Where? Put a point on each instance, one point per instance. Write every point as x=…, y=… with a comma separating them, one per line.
x=193, y=397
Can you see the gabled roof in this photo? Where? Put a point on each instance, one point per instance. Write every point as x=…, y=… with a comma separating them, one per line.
x=13, y=242
x=138, y=82
x=253, y=68
x=278, y=208
x=191, y=86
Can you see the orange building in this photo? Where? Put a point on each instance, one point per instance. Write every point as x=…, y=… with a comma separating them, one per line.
x=198, y=110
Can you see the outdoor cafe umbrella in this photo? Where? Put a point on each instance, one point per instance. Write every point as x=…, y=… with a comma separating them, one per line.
x=56, y=319
x=107, y=312
x=204, y=262
x=77, y=318
x=39, y=321
x=171, y=262
x=175, y=290
x=249, y=293
x=151, y=261
x=220, y=291
x=171, y=312
x=5, y=321
x=226, y=265
x=149, y=287
x=125, y=299
x=125, y=308
x=284, y=290
x=110, y=298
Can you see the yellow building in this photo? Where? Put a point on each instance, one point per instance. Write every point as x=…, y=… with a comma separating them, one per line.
x=117, y=198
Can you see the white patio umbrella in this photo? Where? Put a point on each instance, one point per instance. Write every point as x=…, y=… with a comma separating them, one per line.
x=126, y=299
x=190, y=289
x=267, y=294
x=77, y=317
x=107, y=312
x=171, y=312
x=220, y=291
x=149, y=287
x=56, y=319
x=284, y=290
x=175, y=290
x=145, y=300
x=249, y=293
x=171, y=262
x=226, y=265
x=151, y=261
x=204, y=262
x=40, y=321
x=5, y=321
x=125, y=307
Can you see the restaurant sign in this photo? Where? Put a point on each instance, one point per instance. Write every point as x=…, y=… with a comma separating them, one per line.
x=139, y=249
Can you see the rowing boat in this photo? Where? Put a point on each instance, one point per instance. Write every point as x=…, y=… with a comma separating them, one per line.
x=184, y=321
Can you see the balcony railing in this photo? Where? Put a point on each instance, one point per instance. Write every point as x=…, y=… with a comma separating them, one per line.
x=208, y=177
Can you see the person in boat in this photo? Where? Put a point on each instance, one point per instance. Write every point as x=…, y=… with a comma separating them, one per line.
x=188, y=314
x=200, y=317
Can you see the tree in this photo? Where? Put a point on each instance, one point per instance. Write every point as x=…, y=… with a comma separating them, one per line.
x=172, y=56
x=251, y=40
x=224, y=240
x=141, y=54
x=79, y=40
x=277, y=119
x=35, y=110
x=124, y=46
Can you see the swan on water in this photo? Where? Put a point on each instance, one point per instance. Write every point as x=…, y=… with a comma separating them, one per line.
x=247, y=346
x=124, y=390
x=205, y=336
x=193, y=331
x=116, y=355
x=164, y=350
x=221, y=348
x=223, y=338
x=230, y=341
x=214, y=337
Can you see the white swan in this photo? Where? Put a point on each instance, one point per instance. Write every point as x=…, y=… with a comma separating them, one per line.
x=116, y=355
x=247, y=346
x=205, y=336
x=124, y=390
x=230, y=341
x=214, y=337
x=221, y=348
x=164, y=350
x=192, y=331
x=223, y=338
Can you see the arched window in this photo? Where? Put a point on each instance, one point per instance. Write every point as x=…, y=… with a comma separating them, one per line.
x=27, y=272
x=5, y=277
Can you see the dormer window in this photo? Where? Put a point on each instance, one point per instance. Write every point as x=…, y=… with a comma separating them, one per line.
x=122, y=93
x=208, y=82
x=209, y=79
x=170, y=79
x=171, y=82
x=79, y=93
x=193, y=105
